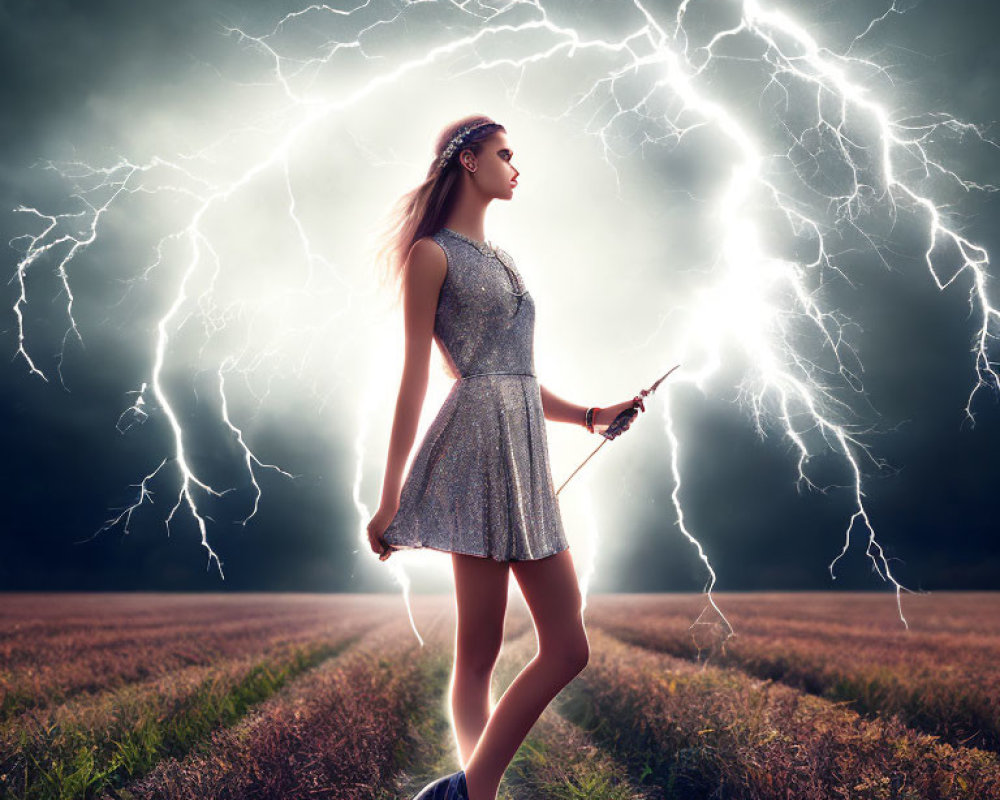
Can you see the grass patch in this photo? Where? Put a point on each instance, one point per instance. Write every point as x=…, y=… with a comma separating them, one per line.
x=65, y=759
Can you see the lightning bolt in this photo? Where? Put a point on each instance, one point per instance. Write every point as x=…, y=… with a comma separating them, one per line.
x=828, y=159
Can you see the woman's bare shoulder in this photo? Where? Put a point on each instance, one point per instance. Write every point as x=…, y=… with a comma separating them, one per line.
x=427, y=260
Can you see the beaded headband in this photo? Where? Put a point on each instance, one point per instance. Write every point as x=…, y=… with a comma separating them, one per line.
x=457, y=140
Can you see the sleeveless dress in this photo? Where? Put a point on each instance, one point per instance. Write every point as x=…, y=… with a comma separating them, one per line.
x=480, y=482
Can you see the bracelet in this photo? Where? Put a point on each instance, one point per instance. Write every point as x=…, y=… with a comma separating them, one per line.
x=591, y=413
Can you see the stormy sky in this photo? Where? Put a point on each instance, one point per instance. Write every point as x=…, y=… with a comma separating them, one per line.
x=614, y=248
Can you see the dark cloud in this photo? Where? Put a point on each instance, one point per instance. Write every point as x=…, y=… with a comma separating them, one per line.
x=65, y=466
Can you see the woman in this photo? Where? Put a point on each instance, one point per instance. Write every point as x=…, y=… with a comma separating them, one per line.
x=480, y=486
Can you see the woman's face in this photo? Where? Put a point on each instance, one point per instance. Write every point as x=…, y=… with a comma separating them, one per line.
x=495, y=174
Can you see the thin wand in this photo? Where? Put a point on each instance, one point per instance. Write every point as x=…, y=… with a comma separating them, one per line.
x=581, y=465
x=621, y=422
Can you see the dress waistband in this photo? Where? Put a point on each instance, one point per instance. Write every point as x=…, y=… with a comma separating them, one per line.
x=481, y=374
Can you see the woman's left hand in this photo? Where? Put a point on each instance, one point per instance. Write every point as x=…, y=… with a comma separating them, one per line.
x=604, y=417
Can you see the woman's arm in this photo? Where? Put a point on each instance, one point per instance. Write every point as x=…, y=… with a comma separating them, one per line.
x=423, y=274
x=559, y=410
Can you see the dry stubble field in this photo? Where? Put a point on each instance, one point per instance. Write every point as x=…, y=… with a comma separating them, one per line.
x=294, y=696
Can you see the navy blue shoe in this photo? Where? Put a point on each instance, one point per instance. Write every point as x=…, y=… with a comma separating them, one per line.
x=450, y=787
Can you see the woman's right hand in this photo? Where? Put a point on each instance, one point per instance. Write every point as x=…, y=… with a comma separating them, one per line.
x=604, y=417
x=377, y=527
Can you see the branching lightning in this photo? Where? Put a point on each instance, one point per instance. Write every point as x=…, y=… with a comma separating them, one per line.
x=846, y=156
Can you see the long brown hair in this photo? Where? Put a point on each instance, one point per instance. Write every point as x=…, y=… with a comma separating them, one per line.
x=422, y=211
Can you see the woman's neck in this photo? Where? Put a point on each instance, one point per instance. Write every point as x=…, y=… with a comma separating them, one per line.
x=469, y=220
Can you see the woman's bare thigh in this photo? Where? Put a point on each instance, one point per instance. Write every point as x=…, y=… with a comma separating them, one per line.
x=552, y=591
x=481, y=603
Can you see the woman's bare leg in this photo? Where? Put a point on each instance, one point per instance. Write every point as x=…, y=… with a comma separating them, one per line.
x=481, y=602
x=551, y=590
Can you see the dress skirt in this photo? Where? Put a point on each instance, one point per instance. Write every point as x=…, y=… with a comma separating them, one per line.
x=480, y=482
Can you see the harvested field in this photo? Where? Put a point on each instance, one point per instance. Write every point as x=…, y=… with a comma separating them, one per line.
x=332, y=696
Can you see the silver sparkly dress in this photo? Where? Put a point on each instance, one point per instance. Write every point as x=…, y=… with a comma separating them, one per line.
x=480, y=482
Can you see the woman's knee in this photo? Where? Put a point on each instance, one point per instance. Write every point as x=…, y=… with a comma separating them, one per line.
x=569, y=654
x=478, y=654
